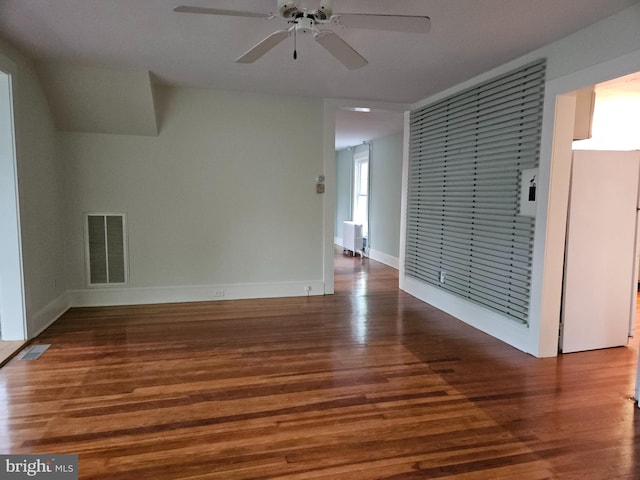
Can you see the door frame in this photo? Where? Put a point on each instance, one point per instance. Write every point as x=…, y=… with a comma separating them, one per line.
x=13, y=323
x=551, y=233
x=555, y=162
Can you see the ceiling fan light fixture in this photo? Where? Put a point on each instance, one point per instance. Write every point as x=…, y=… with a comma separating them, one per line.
x=288, y=9
x=325, y=11
x=303, y=20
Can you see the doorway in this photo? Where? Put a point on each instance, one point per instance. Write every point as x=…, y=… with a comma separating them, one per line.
x=549, y=255
x=12, y=301
x=369, y=147
x=600, y=281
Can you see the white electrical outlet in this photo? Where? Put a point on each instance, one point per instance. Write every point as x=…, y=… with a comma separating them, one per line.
x=443, y=276
x=307, y=288
x=218, y=293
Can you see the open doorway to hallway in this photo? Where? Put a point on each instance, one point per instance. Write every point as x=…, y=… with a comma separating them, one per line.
x=368, y=156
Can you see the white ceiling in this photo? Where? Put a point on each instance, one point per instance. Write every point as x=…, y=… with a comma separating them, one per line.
x=468, y=37
x=353, y=128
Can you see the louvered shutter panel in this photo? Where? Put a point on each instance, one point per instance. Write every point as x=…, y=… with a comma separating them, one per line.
x=466, y=156
x=97, y=249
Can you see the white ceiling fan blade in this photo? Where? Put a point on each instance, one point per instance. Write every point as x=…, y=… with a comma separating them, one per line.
x=395, y=23
x=340, y=49
x=217, y=11
x=264, y=46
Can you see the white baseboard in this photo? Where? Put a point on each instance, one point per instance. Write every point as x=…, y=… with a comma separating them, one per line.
x=382, y=257
x=94, y=297
x=43, y=318
x=492, y=323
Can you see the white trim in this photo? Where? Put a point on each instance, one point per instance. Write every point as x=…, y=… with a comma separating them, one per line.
x=496, y=325
x=328, y=200
x=548, y=253
x=110, y=296
x=361, y=156
x=403, y=201
x=389, y=260
x=12, y=297
x=46, y=316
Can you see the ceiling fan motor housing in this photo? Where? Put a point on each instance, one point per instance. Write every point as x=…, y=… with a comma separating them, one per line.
x=289, y=10
x=304, y=25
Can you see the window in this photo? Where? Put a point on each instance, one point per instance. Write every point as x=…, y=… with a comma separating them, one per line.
x=361, y=191
x=106, y=248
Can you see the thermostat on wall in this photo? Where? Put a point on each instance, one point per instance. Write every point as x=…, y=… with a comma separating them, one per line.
x=528, y=192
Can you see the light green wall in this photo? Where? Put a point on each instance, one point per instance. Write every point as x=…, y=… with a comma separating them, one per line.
x=40, y=194
x=344, y=179
x=99, y=100
x=386, y=194
x=225, y=195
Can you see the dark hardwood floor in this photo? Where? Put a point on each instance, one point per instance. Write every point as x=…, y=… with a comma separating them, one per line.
x=368, y=383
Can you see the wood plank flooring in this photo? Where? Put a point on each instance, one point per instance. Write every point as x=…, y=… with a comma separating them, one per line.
x=9, y=348
x=368, y=383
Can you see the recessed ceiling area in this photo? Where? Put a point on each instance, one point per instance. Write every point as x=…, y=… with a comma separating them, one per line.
x=353, y=127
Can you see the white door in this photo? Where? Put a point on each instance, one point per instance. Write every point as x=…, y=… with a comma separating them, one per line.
x=600, y=252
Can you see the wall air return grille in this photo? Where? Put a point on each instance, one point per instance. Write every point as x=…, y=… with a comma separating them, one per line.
x=466, y=156
x=106, y=248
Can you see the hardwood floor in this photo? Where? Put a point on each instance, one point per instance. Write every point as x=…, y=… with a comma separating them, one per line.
x=9, y=348
x=368, y=383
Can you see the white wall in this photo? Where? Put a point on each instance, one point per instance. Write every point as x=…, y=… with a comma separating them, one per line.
x=40, y=196
x=602, y=51
x=224, y=198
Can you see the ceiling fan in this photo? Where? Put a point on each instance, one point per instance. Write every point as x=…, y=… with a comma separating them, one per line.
x=306, y=21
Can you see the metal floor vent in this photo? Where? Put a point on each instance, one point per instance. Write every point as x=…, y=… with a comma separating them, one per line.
x=34, y=353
